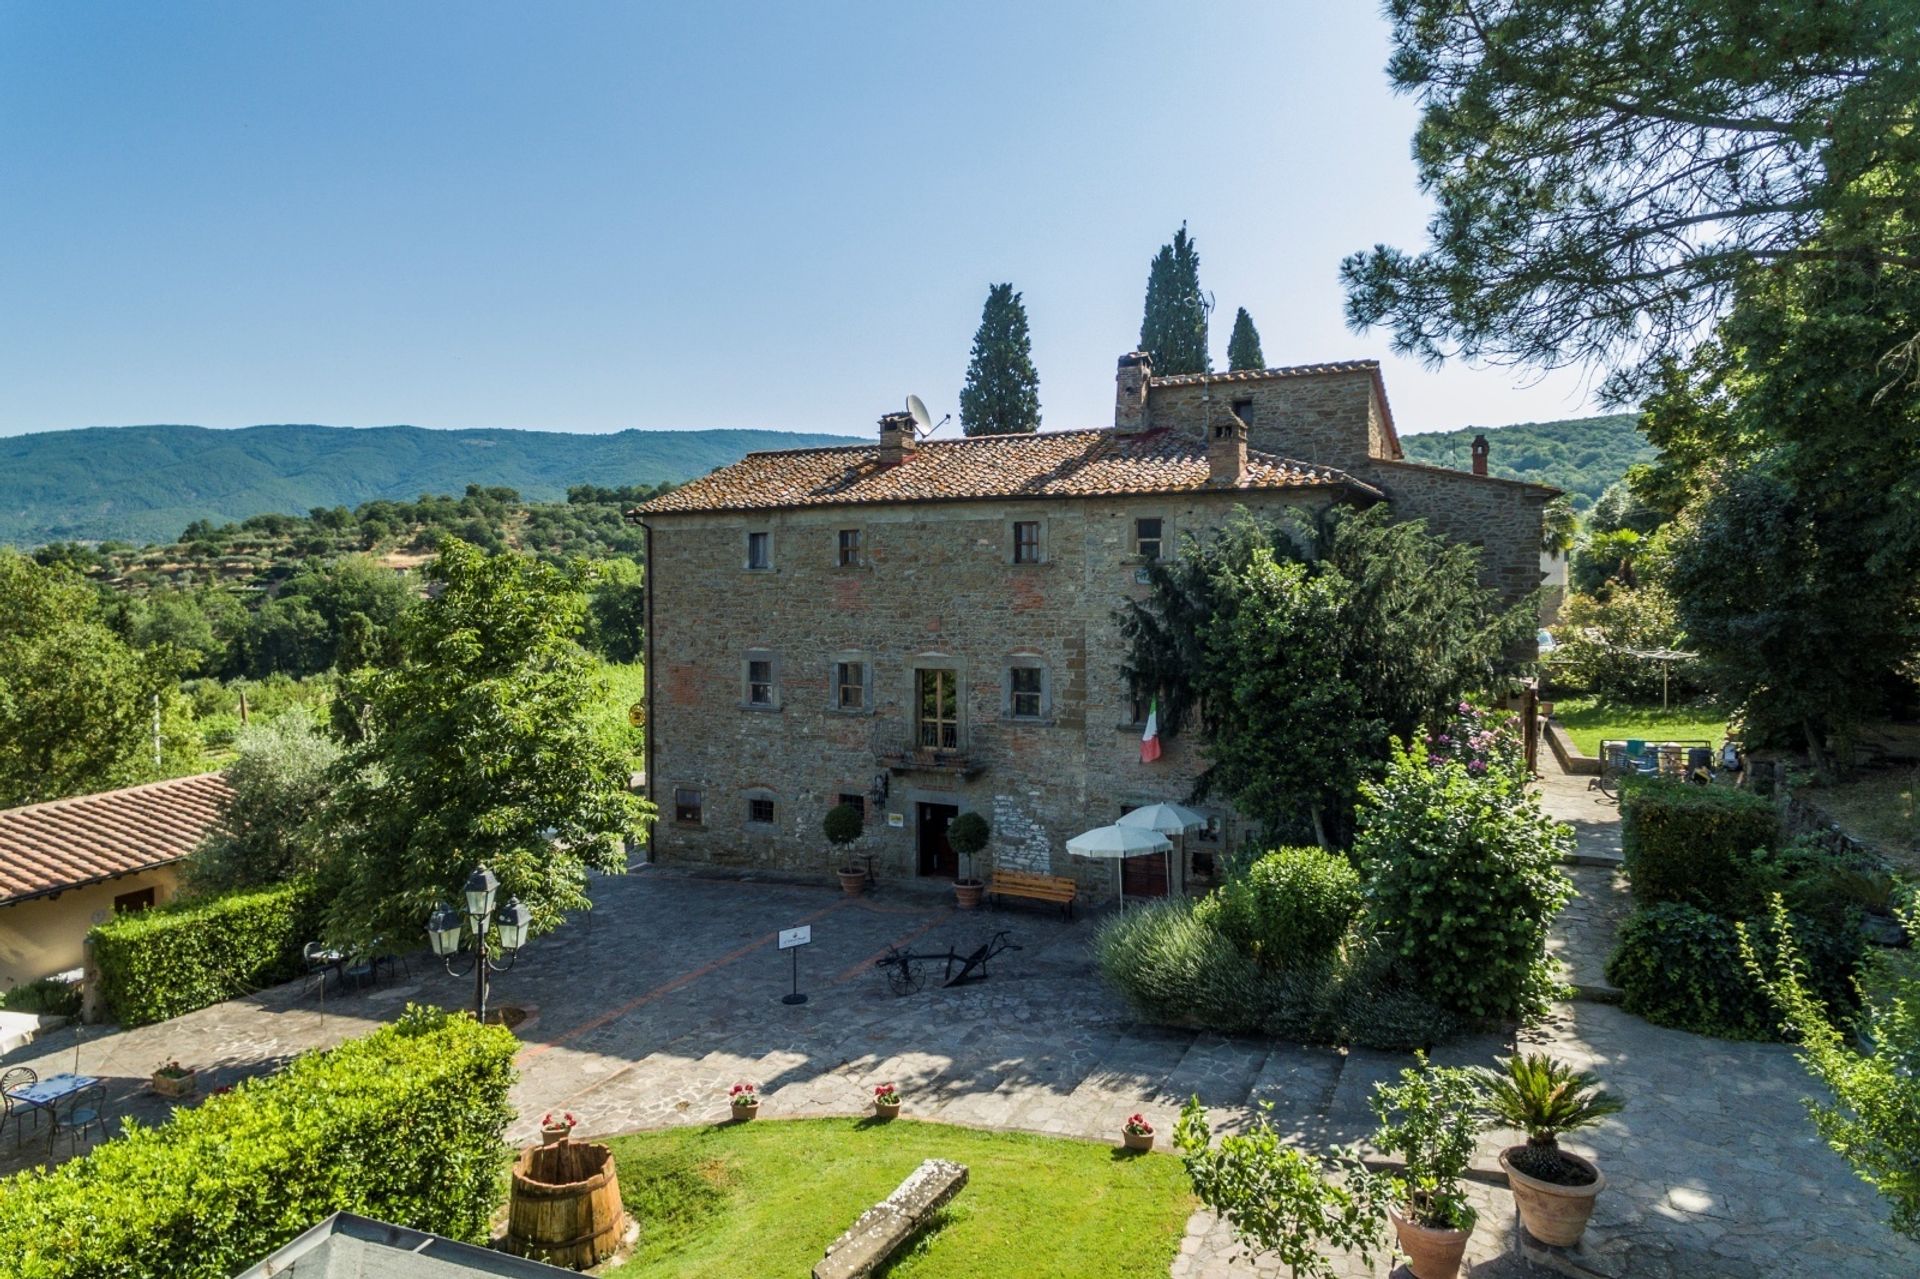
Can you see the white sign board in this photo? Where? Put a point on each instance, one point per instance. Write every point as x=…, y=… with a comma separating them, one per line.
x=896, y=820
x=791, y=937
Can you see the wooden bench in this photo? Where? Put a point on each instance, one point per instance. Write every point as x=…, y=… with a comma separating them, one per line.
x=1044, y=888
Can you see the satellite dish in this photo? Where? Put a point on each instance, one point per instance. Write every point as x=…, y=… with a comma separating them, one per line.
x=917, y=409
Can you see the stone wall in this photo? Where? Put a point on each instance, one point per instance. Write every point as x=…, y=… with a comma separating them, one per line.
x=935, y=589
x=1331, y=419
x=1501, y=517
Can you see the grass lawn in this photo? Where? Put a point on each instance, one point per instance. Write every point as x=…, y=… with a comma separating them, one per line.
x=1590, y=719
x=762, y=1200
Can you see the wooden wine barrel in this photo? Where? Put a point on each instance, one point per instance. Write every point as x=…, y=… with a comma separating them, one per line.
x=565, y=1205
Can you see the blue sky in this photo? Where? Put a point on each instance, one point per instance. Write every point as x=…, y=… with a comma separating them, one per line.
x=590, y=216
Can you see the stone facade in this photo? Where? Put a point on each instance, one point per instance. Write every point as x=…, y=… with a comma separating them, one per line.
x=787, y=672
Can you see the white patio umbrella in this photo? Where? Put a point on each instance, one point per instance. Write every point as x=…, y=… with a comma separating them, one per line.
x=1168, y=819
x=1113, y=843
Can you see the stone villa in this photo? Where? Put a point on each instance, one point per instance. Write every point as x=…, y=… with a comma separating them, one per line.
x=925, y=627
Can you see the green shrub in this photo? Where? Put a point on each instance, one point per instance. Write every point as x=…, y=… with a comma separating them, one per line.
x=156, y=964
x=1462, y=882
x=403, y=1125
x=1697, y=844
x=1174, y=966
x=1290, y=908
x=49, y=996
x=1677, y=965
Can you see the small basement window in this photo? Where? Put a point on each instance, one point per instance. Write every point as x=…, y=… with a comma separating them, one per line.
x=686, y=804
x=1027, y=691
x=760, y=682
x=1147, y=538
x=760, y=811
x=1026, y=541
x=850, y=685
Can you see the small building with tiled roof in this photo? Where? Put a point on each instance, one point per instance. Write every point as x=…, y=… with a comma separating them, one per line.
x=68, y=864
x=924, y=627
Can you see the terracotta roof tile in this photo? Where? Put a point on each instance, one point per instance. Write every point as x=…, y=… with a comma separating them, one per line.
x=64, y=843
x=1048, y=464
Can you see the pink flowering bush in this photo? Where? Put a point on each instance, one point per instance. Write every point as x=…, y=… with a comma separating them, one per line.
x=1484, y=742
x=1138, y=1126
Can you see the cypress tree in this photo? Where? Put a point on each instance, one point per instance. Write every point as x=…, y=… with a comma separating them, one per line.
x=1002, y=394
x=1174, y=327
x=1243, y=348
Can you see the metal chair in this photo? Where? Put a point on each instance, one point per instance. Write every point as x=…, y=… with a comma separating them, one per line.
x=394, y=964
x=89, y=1110
x=17, y=1077
x=319, y=960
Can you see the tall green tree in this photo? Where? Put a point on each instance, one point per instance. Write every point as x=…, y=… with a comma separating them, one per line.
x=77, y=701
x=1795, y=451
x=1298, y=653
x=480, y=749
x=1604, y=170
x=1173, y=328
x=1002, y=392
x=1243, y=348
x=282, y=779
x=617, y=611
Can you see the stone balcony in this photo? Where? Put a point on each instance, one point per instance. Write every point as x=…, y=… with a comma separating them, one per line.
x=908, y=749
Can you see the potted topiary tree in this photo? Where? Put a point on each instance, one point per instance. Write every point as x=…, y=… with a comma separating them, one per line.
x=1553, y=1189
x=967, y=833
x=843, y=826
x=1430, y=1119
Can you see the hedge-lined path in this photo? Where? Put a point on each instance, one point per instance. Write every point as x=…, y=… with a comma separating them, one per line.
x=673, y=993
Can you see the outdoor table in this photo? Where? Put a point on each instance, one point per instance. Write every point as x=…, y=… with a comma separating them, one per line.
x=47, y=1095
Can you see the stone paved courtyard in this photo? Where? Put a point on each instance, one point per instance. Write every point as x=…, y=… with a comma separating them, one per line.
x=645, y=1016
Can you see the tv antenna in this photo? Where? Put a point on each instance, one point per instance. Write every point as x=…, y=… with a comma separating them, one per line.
x=923, y=423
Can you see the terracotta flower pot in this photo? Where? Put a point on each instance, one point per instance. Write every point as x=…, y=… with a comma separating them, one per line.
x=853, y=882
x=181, y=1085
x=1552, y=1213
x=966, y=893
x=887, y=1109
x=1432, y=1253
x=1136, y=1140
x=741, y=1114
x=554, y=1134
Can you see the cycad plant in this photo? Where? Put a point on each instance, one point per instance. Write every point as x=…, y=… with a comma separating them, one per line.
x=1545, y=1098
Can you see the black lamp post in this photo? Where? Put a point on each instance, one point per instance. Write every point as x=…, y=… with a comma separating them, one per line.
x=445, y=925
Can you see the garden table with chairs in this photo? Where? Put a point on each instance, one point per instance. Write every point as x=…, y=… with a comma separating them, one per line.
x=47, y=1094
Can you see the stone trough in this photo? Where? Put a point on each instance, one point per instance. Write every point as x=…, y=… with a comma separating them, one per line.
x=883, y=1228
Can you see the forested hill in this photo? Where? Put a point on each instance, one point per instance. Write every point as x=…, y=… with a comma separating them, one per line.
x=146, y=483
x=1580, y=455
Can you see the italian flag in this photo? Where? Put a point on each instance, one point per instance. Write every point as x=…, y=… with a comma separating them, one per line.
x=1150, y=740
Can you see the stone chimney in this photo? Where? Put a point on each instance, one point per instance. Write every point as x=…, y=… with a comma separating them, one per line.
x=1130, y=392
x=896, y=438
x=1227, y=452
x=1480, y=450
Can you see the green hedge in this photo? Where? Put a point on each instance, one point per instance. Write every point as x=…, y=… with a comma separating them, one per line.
x=156, y=964
x=1680, y=966
x=1697, y=844
x=404, y=1125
